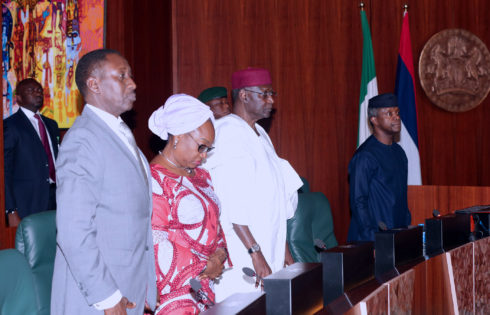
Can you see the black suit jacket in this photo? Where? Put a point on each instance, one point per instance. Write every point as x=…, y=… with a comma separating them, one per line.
x=26, y=164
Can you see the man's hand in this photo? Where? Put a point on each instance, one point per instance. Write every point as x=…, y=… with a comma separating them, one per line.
x=120, y=308
x=261, y=267
x=13, y=219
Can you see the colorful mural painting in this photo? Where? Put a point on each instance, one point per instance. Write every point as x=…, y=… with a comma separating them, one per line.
x=44, y=40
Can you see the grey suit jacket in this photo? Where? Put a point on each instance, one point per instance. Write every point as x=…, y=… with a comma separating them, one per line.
x=104, y=240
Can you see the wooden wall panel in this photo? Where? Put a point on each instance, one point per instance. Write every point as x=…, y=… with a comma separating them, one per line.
x=313, y=49
x=141, y=31
x=422, y=200
x=119, y=27
x=306, y=45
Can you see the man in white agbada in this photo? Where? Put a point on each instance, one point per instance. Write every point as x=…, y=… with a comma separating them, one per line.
x=256, y=188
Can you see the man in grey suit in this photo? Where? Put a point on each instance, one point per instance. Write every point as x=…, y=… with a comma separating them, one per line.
x=104, y=256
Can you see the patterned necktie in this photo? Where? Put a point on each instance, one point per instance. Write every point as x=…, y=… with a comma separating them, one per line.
x=129, y=135
x=47, y=148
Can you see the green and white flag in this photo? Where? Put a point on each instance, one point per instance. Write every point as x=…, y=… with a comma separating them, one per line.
x=369, y=85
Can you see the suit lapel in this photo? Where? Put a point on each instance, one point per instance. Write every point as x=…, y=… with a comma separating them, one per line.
x=114, y=138
x=26, y=125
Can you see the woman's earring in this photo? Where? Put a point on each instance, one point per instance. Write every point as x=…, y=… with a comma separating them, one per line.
x=175, y=144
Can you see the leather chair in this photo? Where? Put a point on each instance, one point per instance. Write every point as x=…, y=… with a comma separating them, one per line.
x=17, y=293
x=312, y=220
x=36, y=240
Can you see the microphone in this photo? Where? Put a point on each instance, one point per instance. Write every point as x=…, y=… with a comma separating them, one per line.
x=201, y=295
x=319, y=243
x=435, y=213
x=251, y=273
x=472, y=237
x=382, y=226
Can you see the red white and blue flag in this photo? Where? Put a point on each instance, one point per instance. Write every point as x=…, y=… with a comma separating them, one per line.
x=405, y=92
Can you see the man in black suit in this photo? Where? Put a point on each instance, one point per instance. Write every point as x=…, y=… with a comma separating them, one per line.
x=30, y=148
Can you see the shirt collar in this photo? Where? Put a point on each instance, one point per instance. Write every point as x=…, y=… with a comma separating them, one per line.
x=29, y=113
x=109, y=119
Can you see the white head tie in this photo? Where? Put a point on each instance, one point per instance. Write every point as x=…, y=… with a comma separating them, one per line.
x=180, y=114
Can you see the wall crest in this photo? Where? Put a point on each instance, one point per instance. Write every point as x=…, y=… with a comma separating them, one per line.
x=454, y=70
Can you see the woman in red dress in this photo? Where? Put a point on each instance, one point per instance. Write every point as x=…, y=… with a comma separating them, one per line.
x=187, y=236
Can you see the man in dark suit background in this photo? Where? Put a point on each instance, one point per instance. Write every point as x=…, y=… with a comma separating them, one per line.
x=30, y=148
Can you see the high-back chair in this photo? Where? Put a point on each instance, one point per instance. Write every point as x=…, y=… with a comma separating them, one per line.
x=17, y=293
x=312, y=220
x=36, y=240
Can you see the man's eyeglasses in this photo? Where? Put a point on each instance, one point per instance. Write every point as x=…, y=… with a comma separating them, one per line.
x=202, y=148
x=265, y=94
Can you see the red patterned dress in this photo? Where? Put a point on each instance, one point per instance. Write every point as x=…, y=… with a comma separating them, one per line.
x=186, y=230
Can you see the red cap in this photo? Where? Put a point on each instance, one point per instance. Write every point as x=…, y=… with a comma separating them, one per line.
x=250, y=77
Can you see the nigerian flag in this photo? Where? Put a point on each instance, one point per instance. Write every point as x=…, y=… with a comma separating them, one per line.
x=369, y=86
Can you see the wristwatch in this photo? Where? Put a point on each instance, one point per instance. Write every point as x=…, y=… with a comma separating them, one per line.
x=255, y=248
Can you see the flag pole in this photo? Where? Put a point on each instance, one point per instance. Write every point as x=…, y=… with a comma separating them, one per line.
x=405, y=8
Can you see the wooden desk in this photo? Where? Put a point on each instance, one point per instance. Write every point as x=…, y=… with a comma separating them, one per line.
x=456, y=282
x=446, y=199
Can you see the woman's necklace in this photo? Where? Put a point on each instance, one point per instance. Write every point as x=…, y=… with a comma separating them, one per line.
x=188, y=170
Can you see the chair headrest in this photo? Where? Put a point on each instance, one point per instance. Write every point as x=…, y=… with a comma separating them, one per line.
x=36, y=238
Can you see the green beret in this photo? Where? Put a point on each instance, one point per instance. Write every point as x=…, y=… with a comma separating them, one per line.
x=212, y=93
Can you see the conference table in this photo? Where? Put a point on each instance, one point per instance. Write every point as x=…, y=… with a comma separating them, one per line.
x=454, y=282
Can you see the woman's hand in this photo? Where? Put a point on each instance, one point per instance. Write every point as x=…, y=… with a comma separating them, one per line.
x=215, y=265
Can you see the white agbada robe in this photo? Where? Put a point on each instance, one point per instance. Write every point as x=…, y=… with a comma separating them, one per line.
x=256, y=188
